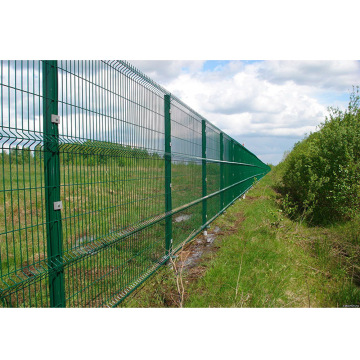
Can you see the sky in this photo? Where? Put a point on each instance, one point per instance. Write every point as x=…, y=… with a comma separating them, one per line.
x=266, y=105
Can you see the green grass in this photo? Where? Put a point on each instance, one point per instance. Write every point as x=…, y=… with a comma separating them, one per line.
x=264, y=258
x=99, y=202
x=270, y=261
x=267, y=260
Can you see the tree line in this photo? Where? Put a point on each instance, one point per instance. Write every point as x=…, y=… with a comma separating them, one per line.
x=89, y=152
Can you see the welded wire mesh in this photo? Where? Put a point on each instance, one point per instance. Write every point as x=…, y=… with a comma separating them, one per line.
x=135, y=177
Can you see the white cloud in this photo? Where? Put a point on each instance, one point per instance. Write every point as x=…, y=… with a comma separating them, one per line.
x=246, y=103
x=336, y=75
x=163, y=71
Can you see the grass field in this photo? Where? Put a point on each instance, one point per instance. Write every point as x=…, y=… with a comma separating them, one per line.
x=100, y=204
x=261, y=258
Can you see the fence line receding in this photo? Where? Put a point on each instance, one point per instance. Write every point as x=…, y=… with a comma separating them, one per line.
x=104, y=174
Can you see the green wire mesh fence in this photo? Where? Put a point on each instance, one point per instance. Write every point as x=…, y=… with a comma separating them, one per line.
x=104, y=175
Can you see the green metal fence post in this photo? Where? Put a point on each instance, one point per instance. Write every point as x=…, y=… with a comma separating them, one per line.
x=168, y=199
x=232, y=169
x=53, y=204
x=204, y=179
x=222, y=183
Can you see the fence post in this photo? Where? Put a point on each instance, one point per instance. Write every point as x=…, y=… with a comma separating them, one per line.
x=168, y=199
x=222, y=185
x=204, y=179
x=232, y=170
x=52, y=183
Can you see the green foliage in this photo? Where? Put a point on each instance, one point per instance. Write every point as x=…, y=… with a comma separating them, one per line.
x=17, y=155
x=321, y=175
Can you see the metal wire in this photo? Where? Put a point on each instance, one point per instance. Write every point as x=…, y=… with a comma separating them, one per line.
x=137, y=172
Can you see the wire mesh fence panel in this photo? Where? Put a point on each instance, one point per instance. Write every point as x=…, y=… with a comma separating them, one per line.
x=104, y=174
x=22, y=186
x=113, y=176
x=186, y=174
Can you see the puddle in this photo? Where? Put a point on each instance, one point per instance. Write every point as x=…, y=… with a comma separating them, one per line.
x=182, y=218
x=216, y=230
x=193, y=259
x=210, y=238
x=192, y=254
x=84, y=240
x=81, y=245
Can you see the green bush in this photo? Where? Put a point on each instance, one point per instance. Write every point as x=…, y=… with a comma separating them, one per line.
x=321, y=175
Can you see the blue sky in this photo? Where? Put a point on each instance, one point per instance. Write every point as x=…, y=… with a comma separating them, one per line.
x=216, y=65
x=267, y=105
x=212, y=65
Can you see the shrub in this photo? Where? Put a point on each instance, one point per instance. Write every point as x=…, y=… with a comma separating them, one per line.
x=321, y=175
